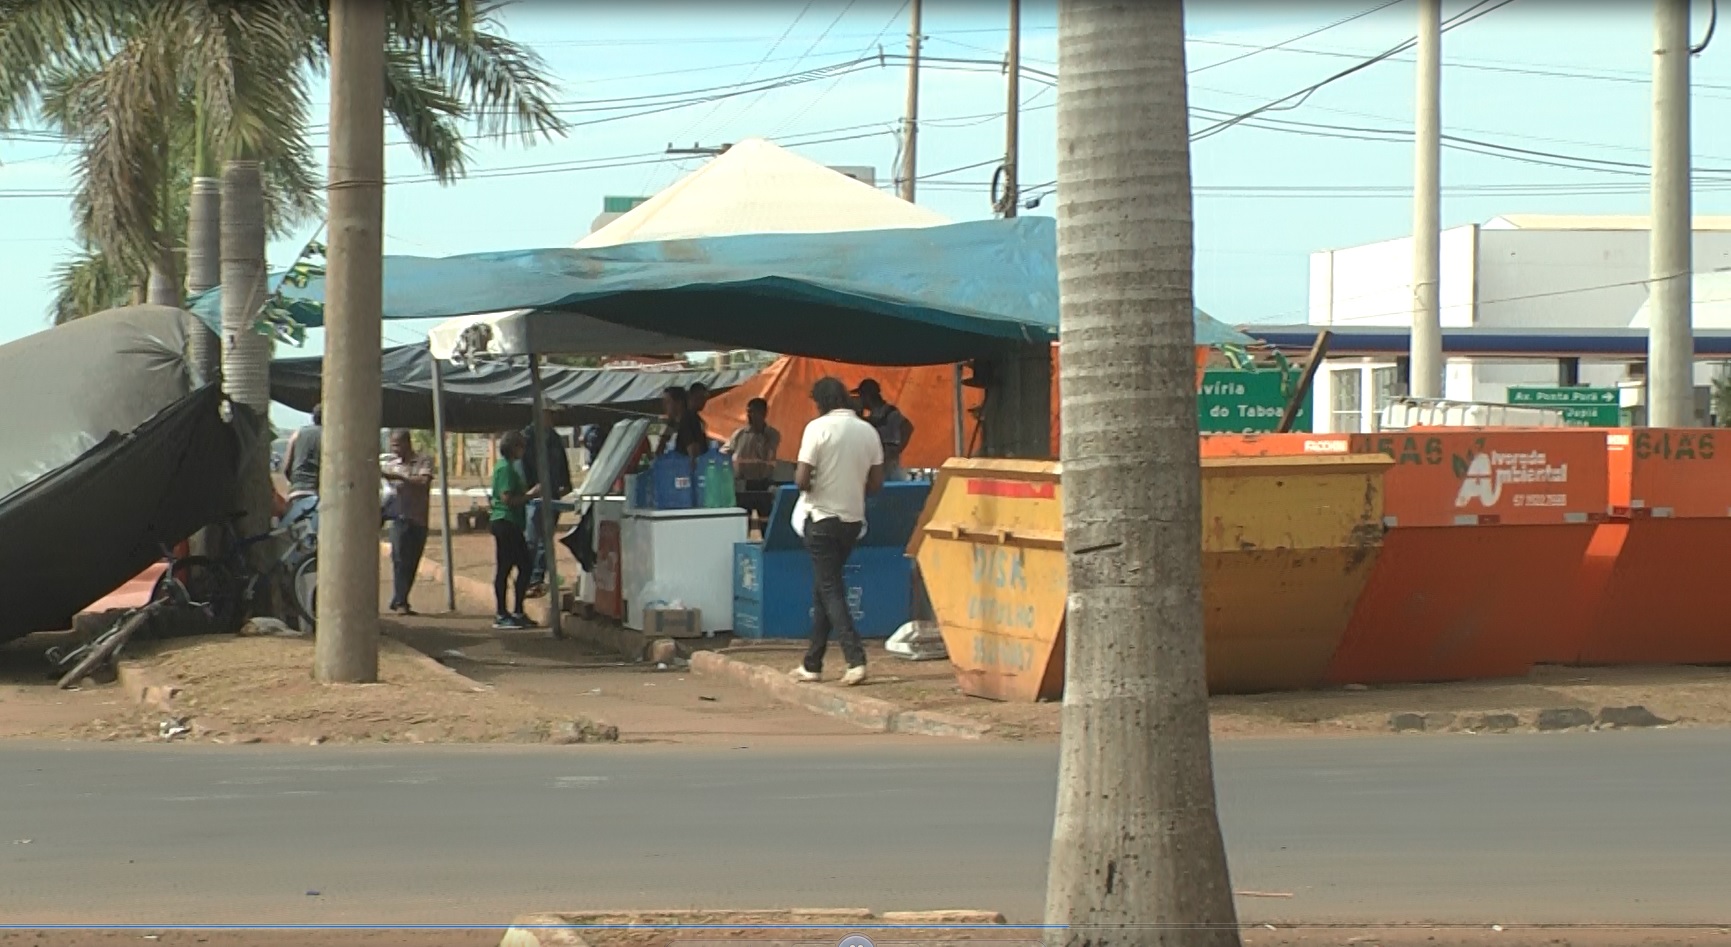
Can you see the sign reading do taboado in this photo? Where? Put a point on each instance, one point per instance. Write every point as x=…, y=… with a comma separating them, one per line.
x=1238, y=402
x=1581, y=407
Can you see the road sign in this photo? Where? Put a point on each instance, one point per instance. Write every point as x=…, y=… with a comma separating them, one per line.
x=1238, y=402
x=1582, y=407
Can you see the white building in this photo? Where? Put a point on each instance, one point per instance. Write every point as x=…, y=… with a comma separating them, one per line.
x=1513, y=272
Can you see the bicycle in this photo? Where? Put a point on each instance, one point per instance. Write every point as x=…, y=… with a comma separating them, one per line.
x=104, y=648
x=232, y=585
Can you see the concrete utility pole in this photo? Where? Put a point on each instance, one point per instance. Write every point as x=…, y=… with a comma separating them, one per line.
x=911, y=116
x=347, y=646
x=1426, y=350
x=1013, y=114
x=1670, y=334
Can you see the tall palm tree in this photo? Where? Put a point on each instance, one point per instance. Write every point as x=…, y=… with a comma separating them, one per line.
x=1137, y=856
x=156, y=93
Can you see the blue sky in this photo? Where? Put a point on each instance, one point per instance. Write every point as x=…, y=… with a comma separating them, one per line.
x=1563, y=80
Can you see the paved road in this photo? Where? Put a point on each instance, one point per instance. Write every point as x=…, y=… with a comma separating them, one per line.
x=1627, y=828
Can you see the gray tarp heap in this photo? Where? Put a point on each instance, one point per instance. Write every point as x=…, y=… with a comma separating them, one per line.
x=110, y=451
x=495, y=395
x=916, y=296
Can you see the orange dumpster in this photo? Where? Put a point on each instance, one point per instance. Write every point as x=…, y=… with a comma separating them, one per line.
x=1488, y=529
x=1288, y=543
x=1650, y=591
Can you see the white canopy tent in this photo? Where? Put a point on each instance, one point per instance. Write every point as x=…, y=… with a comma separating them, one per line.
x=754, y=187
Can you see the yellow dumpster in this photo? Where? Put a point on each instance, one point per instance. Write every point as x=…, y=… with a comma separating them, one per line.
x=1287, y=545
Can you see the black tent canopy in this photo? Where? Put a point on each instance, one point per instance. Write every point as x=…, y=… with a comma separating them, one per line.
x=496, y=394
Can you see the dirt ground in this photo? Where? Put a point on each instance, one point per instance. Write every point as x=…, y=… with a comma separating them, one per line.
x=1690, y=696
x=513, y=686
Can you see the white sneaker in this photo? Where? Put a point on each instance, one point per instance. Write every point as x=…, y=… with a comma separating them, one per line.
x=854, y=676
x=804, y=676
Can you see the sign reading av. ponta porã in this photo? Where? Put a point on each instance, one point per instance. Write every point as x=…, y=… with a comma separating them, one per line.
x=1581, y=406
x=1241, y=402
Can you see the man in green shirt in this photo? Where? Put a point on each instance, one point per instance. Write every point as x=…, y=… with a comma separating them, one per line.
x=510, y=498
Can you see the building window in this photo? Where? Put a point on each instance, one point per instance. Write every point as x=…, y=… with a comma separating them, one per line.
x=1346, y=401
x=1385, y=387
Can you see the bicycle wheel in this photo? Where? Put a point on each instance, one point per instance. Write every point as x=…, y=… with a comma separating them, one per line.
x=304, y=590
x=208, y=582
x=106, y=647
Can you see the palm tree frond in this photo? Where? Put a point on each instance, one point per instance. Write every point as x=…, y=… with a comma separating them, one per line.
x=426, y=112
x=39, y=35
x=89, y=283
x=505, y=84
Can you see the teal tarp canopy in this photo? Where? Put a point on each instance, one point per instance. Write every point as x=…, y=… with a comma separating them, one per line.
x=881, y=297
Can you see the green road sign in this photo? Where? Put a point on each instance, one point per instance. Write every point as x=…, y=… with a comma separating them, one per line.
x=1235, y=402
x=1582, y=407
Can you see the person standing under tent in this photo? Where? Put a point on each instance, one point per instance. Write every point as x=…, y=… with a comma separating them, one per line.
x=697, y=398
x=841, y=460
x=507, y=520
x=409, y=475
x=300, y=467
x=893, y=427
x=558, y=486
x=755, y=448
x=684, y=433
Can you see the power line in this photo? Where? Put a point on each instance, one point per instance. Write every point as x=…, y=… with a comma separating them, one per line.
x=1302, y=36
x=802, y=57
x=1295, y=99
x=874, y=44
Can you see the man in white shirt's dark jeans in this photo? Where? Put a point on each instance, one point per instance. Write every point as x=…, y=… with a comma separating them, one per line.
x=841, y=460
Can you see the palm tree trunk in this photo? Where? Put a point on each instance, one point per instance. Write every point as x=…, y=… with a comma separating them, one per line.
x=1137, y=856
x=204, y=268
x=163, y=288
x=204, y=249
x=245, y=351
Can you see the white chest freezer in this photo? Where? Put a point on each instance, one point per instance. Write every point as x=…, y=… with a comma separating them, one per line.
x=683, y=556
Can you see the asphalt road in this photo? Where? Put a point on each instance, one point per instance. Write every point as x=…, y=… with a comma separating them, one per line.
x=1617, y=828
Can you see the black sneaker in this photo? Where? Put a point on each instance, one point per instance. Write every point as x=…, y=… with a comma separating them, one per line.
x=506, y=623
x=523, y=620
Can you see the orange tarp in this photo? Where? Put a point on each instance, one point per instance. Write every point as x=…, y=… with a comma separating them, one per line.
x=926, y=394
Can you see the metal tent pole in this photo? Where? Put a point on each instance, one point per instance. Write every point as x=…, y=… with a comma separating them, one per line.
x=444, y=484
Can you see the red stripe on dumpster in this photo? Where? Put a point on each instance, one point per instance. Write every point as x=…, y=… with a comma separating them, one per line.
x=1013, y=489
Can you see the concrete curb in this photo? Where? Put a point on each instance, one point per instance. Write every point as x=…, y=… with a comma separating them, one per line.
x=564, y=929
x=870, y=713
x=144, y=688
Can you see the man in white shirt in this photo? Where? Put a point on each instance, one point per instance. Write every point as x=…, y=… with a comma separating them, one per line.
x=841, y=460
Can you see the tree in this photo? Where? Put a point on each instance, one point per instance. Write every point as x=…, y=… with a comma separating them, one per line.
x=151, y=88
x=157, y=96
x=1137, y=855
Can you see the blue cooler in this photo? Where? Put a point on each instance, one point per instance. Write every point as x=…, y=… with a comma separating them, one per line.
x=669, y=485
x=772, y=582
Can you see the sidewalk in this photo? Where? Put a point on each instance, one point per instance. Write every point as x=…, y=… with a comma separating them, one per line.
x=567, y=677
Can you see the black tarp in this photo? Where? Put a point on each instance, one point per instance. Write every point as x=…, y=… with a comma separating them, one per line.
x=108, y=452
x=495, y=396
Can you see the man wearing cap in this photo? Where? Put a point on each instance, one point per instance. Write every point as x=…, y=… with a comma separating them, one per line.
x=894, y=429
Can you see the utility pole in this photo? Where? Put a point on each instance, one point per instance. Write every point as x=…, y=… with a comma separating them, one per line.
x=911, y=117
x=1426, y=346
x=346, y=649
x=1013, y=115
x=1670, y=335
